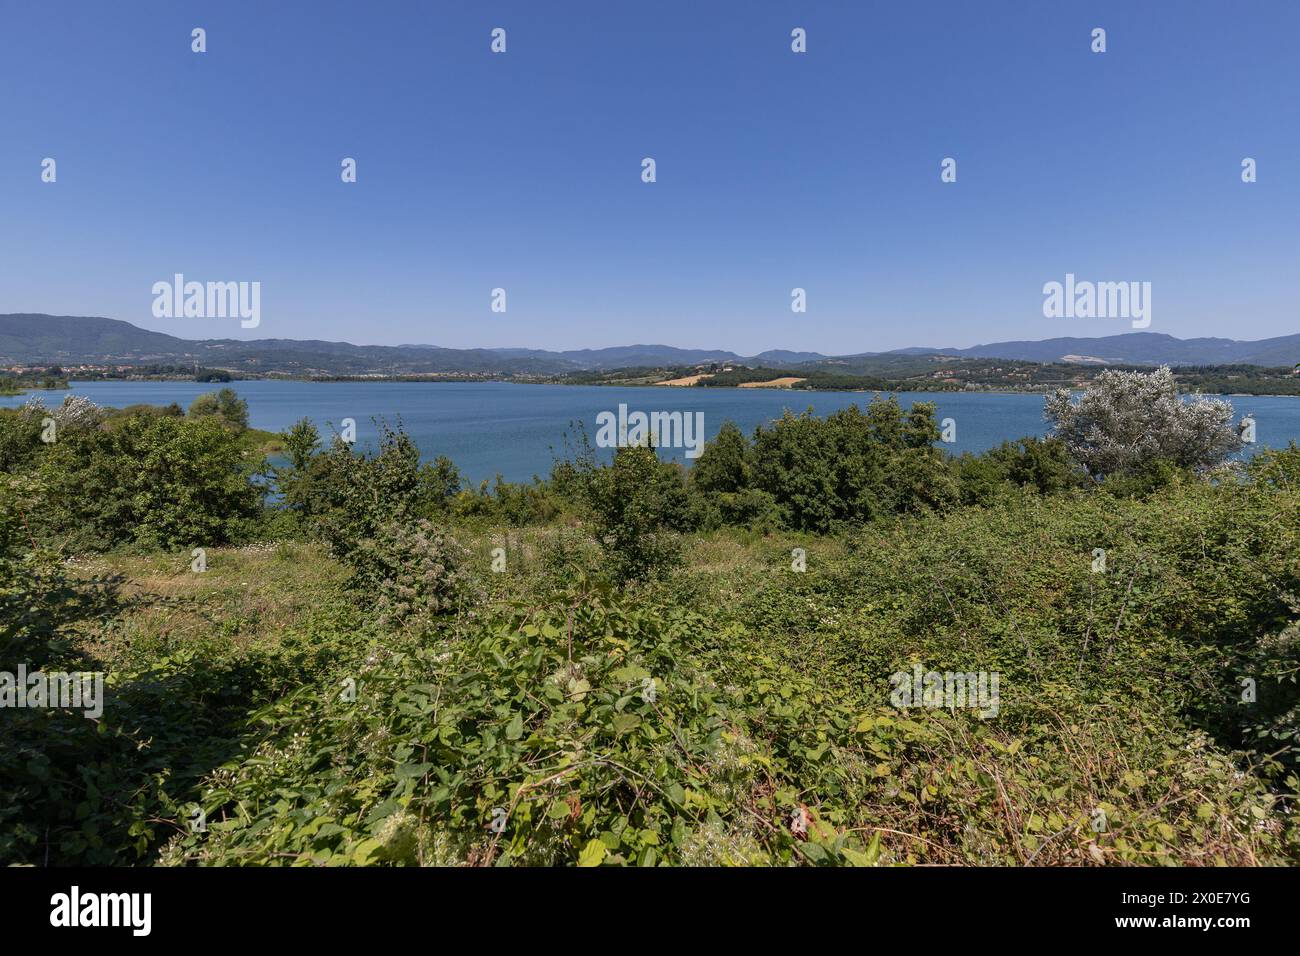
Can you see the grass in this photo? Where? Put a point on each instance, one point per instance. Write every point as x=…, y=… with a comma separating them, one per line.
x=248, y=596
x=1093, y=759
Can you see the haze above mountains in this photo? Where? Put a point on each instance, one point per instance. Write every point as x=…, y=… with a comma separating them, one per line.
x=36, y=339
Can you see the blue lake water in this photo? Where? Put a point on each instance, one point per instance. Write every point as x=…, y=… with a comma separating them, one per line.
x=498, y=427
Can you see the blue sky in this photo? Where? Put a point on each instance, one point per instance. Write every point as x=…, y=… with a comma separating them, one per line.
x=775, y=170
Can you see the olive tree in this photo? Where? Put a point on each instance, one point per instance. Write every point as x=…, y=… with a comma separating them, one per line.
x=76, y=412
x=1126, y=422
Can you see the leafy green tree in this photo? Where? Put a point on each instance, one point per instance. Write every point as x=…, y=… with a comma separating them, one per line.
x=1042, y=465
x=160, y=481
x=854, y=465
x=443, y=480
x=225, y=405
x=638, y=504
x=301, y=442
x=724, y=465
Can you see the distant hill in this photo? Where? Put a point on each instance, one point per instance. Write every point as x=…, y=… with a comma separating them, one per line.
x=782, y=357
x=629, y=356
x=34, y=338
x=1139, y=348
x=29, y=339
x=71, y=340
x=68, y=340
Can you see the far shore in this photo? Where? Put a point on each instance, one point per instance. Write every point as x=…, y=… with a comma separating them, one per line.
x=787, y=383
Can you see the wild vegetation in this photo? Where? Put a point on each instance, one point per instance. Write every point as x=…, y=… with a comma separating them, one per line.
x=347, y=657
x=15, y=383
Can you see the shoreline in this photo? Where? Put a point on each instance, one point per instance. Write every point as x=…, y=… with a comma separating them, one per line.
x=757, y=386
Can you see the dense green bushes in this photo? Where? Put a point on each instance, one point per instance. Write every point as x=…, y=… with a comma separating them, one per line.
x=158, y=482
x=580, y=733
x=110, y=789
x=769, y=737
x=802, y=472
x=159, y=478
x=731, y=707
x=345, y=497
x=823, y=474
x=1037, y=464
x=39, y=601
x=852, y=466
x=147, y=477
x=224, y=404
x=1122, y=684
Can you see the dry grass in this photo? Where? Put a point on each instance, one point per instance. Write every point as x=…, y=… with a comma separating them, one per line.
x=247, y=595
x=687, y=380
x=785, y=382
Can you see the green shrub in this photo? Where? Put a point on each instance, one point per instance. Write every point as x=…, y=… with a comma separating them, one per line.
x=20, y=441
x=853, y=466
x=512, y=503
x=40, y=604
x=225, y=405
x=584, y=731
x=344, y=497
x=639, y=505
x=725, y=465
x=109, y=791
x=410, y=572
x=1042, y=465
x=153, y=481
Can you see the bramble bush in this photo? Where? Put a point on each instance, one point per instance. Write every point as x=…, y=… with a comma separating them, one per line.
x=582, y=730
x=734, y=711
x=410, y=573
x=1121, y=691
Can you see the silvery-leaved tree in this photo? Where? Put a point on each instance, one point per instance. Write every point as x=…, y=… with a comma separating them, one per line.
x=1126, y=422
x=76, y=412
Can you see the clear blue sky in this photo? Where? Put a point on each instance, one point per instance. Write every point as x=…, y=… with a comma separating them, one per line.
x=775, y=170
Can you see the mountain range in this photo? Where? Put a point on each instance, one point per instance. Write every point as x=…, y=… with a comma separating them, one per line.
x=37, y=339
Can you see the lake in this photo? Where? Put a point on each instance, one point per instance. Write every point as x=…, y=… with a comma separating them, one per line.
x=488, y=428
